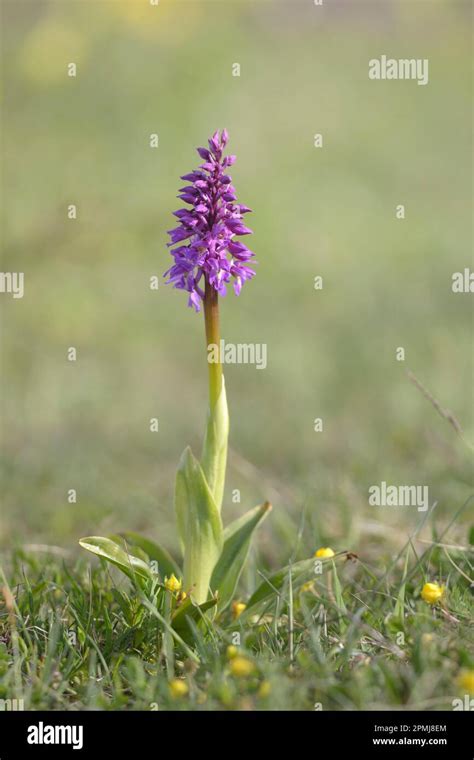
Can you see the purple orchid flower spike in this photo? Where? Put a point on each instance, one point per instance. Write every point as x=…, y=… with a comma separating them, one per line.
x=205, y=249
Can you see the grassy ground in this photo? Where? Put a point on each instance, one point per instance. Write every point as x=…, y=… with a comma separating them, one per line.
x=359, y=636
x=331, y=353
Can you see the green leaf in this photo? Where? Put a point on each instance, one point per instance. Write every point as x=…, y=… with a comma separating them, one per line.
x=200, y=525
x=134, y=567
x=237, y=538
x=214, y=453
x=166, y=564
x=189, y=611
x=181, y=502
x=128, y=548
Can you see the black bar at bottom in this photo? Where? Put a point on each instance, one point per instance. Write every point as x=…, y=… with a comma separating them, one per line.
x=378, y=734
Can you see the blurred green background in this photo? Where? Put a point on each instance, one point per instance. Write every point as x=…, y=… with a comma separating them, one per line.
x=328, y=212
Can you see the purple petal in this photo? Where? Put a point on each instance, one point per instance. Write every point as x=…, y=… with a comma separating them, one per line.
x=237, y=227
x=204, y=153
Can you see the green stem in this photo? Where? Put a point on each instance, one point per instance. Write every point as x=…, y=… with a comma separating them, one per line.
x=214, y=455
x=211, y=317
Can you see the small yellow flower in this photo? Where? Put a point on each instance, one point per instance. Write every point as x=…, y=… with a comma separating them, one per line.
x=432, y=593
x=308, y=586
x=427, y=638
x=231, y=651
x=324, y=552
x=173, y=584
x=178, y=688
x=241, y=667
x=466, y=681
x=264, y=690
x=237, y=609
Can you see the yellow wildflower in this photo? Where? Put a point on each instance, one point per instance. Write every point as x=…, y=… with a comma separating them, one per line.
x=466, y=681
x=237, y=609
x=432, y=593
x=264, y=690
x=178, y=688
x=324, y=552
x=241, y=667
x=172, y=583
x=232, y=651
